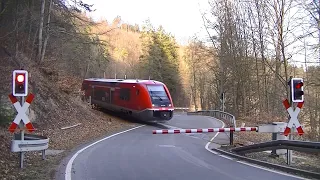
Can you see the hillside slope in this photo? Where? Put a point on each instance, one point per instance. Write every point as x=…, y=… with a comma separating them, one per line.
x=57, y=104
x=60, y=46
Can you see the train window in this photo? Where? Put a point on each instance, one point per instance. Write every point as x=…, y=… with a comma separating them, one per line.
x=125, y=94
x=99, y=95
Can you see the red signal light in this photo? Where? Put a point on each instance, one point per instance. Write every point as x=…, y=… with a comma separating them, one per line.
x=296, y=89
x=20, y=78
x=20, y=83
x=299, y=85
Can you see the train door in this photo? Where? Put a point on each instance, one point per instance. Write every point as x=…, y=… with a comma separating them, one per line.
x=111, y=95
x=92, y=92
x=137, y=92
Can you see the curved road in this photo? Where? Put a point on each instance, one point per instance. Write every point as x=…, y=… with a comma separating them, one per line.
x=139, y=154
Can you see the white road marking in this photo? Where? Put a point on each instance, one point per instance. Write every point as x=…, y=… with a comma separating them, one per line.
x=69, y=165
x=260, y=167
x=242, y=162
x=207, y=145
x=167, y=146
x=227, y=157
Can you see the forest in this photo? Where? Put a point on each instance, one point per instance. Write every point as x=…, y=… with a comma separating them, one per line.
x=248, y=54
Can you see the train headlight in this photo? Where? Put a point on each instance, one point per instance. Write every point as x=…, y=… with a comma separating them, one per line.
x=169, y=105
x=152, y=105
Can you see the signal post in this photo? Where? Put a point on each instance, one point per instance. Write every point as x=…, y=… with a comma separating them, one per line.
x=20, y=89
x=296, y=96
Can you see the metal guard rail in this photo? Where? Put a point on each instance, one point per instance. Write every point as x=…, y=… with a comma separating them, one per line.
x=305, y=146
x=216, y=114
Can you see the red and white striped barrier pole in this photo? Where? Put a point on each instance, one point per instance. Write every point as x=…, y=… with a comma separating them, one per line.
x=180, y=131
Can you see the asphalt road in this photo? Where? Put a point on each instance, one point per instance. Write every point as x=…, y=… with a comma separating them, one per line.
x=139, y=154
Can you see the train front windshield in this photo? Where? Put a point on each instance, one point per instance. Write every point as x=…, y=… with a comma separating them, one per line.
x=158, y=96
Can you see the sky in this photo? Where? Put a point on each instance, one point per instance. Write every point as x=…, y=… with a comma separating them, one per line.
x=179, y=17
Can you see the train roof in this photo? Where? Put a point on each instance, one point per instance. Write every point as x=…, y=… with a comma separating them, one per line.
x=140, y=81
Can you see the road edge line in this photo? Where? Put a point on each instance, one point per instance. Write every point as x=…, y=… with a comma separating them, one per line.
x=68, y=169
x=218, y=151
x=207, y=145
x=266, y=166
x=230, y=157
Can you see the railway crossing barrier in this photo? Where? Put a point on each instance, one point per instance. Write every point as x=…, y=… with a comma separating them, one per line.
x=228, y=118
x=276, y=128
x=279, y=130
x=180, y=131
x=22, y=142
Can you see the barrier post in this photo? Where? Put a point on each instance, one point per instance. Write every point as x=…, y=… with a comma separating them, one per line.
x=231, y=135
x=274, y=137
x=21, y=155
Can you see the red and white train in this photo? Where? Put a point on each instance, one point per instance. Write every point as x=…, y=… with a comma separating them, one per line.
x=146, y=100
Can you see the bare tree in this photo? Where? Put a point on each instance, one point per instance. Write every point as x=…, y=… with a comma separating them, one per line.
x=47, y=32
x=43, y=2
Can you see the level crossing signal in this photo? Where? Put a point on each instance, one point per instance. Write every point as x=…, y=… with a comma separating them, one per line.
x=297, y=94
x=20, y=83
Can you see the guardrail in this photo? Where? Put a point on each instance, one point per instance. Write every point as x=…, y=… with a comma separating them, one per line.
x=270, y=165
x=224, y=116
x=30, y=142
x=228, y=118
x=304, y=146
x=183, y=109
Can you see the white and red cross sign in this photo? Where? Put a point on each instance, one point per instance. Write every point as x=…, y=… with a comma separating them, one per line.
x=293, y=117
x=21, y=113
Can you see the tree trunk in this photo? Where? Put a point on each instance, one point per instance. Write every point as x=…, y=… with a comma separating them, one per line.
x=194, y=90
x=316, y=112
x=16, y=32
x=30, y=20
x=47, y=32
x=40, y=30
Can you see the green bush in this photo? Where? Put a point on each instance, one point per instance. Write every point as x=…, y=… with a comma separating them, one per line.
x=6, y=115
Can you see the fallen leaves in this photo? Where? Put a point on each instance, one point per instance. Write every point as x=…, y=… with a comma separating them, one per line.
x=93, y=125
x=56, y=105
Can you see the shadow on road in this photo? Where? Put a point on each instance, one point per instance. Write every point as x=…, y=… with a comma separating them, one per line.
x=156, y=125
x=131, y=119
